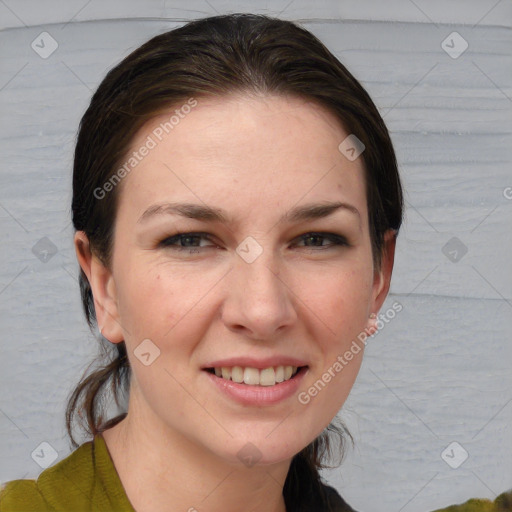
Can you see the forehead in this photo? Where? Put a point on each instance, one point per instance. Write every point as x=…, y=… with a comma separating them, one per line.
x=245, y=151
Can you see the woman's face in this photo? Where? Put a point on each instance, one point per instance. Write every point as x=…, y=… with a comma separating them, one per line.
x=247, y=290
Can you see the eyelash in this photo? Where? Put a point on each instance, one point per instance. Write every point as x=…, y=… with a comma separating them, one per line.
x=170, y=242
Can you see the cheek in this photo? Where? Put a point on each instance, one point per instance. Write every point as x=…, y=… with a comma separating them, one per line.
x=341, y=299
x=342, y=305
x=149, y=300
x=159, y=301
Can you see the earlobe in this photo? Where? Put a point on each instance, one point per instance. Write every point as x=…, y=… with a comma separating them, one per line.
x=371, y=327
x=103, y=289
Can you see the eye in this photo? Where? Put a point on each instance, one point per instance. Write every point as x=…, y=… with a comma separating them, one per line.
x=317, y=240
x=186, y=241
x=192, y=241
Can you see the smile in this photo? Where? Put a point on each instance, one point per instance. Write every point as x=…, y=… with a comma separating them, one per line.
x=254, y=376
x=258, y=387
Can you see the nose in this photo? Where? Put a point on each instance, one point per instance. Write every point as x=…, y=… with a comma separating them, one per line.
x=259, y=302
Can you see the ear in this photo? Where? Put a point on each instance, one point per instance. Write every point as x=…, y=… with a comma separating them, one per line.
x=103, y=289
x=382, y=276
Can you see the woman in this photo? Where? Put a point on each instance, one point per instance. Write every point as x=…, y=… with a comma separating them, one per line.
x=236, y=202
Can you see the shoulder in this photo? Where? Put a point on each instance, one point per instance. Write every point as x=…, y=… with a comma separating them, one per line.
x=22, y=495
x=336, y=502
x=73, y=475
x=503, y=503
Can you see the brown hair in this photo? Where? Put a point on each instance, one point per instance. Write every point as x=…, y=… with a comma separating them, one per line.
x=216, y=56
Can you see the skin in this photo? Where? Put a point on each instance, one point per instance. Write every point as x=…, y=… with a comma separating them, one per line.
x=255, y=157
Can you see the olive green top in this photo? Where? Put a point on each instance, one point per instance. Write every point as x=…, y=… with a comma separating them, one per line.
x=87, y=480
x=503, y=503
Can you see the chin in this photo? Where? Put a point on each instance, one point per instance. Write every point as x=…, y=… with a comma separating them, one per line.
x=262, y=449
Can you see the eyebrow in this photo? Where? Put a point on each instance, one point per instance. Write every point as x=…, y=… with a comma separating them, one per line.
x=211, y=214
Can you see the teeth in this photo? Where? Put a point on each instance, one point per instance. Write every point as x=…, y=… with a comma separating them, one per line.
x=254, y=377
x=237, y=374
x=267, y=377
x=251, y=376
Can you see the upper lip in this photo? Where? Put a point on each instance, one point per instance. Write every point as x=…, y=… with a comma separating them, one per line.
x=252, y=362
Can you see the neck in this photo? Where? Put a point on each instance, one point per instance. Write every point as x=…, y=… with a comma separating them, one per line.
x=164, y=471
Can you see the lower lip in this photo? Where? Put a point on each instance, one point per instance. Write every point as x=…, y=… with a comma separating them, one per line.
x=258, y=395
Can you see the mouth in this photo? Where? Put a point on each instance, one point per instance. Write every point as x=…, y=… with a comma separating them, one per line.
x=271, y=376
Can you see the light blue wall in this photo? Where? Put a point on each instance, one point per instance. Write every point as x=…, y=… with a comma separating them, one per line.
x=438, y=373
